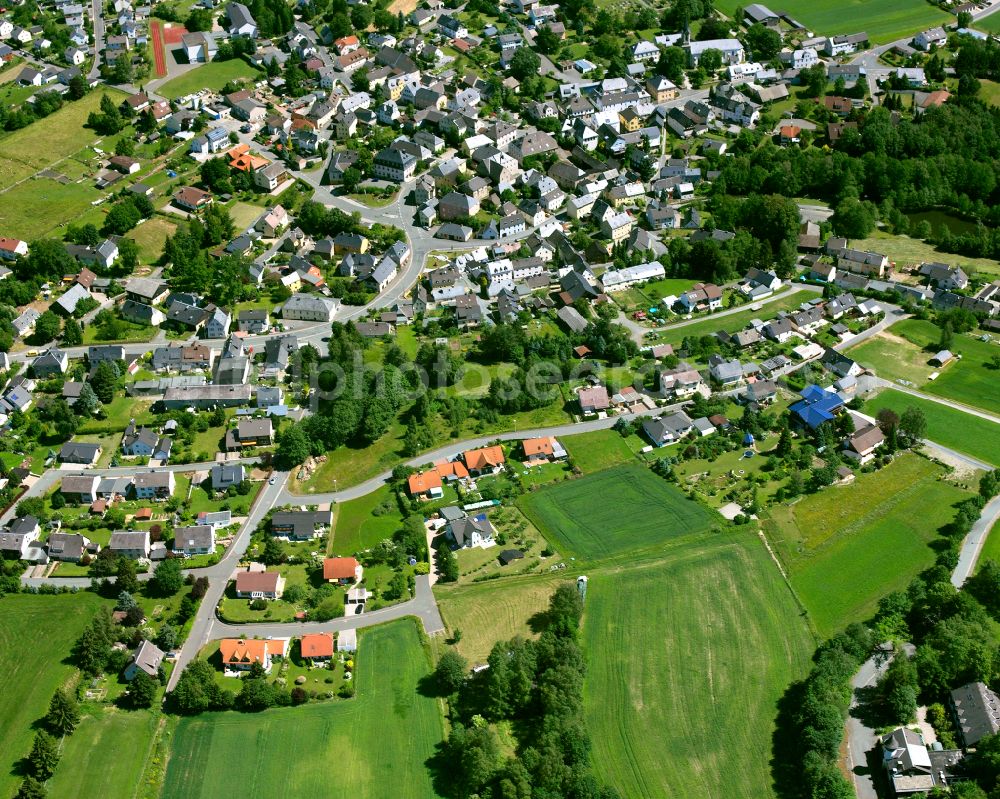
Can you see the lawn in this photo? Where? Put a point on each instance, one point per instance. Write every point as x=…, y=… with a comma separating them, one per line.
x=209, y=76
x=375, y=745
x=905, y=251
x=150, y=236
x=40, y=206
x=494, y=610
x=357, y=527
x=62, y=134
x=990, y=24
x=105, y=755
x=598, y=450
x=883, y=20
x=902, y=352
x=946, y=426
x=847, y=546
x=613, y=512
x=991, y=549
x=686, y=660
x=37, y=634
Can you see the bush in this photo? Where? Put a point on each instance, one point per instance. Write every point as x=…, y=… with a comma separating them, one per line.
x=258, y=604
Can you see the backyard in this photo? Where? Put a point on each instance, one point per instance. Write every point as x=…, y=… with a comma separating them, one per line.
x=835, y=543
x=375, y=745
x=613, y=512
x=694, y=670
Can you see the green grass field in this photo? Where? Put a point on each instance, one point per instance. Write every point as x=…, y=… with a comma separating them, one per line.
x=883, y=20
x=598, y=450
x=847, y=546
x=356, y=528
x=208, y=76
x=991, y=548
x=708, y=325
x=686, y=660
x=903, y=351
x=105, y=755
x=150, y=236
x=62, y=135
x=905, y=251
x=990, y=24
x=37, y=634
x=375, y=745
x=613, y=512
x=951, y=428
x=493, y=611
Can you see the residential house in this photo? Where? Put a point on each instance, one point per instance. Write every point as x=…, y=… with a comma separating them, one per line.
x=250, y=433
x=239, y=654
x=316, y=647
x=466, y=532
x=816, y=406
x=226, y=475
x=863, y=442
x=976, y=710
x=240, y=20
x=154, y=485
x=486, y=460
x=17, y=539
x=667, y=429
x=299, y=525
x=79, y=488
x=259, y=585
x=69, y=547
x=79, y=452
x=310, y=307
x=545, y=449
x=342, y=571
x=681, y=381
x=130, y=544
x=146, y=658
x=593, y=399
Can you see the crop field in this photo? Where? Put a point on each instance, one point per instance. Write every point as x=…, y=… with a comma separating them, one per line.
x=375, y=745
x=902, y=352
x=105, y=755
x=614, y=511
x=213, y=76
x=951, y=428
x=37, y=634
x=847, y=546
x=61, y=135
x=883, y=20
x=686, y=660
x=492, y=611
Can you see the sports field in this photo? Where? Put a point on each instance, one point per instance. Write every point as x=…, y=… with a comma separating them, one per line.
x=847, y=546
x=105, y=756
x=946, y=426
x=686, y=660
x=883, y=20
x=37, y=634
x=213, y=76
x=903, y=350
x=614, y=511
x=375, y=745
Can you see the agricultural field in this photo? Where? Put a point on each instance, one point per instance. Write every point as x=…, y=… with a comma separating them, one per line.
x=695, y=670
x=613, y=512
x=105, y=755
x=884, y=21
x=375, y=745
x=37, y=634
x=494, y=610
x=902, y=353
x=946, y=426
x=834, y=543
x=213, y=76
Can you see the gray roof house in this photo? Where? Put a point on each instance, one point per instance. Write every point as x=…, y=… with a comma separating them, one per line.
x=977, y=710
x=146, y=658
x=668, y=429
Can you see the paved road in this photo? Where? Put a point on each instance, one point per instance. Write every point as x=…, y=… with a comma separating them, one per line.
x=814, y=213
x=423, y=606
x=945, y=452
x=639, y=331
x=218, y=576
x=97, y=15
x=861, y=739
x=973, y=543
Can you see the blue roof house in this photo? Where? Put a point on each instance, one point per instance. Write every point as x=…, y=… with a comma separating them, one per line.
x=816, y=406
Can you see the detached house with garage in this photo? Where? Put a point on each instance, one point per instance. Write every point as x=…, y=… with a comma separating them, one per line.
x=239, y=654
x=342, y=571
x=259, y=585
